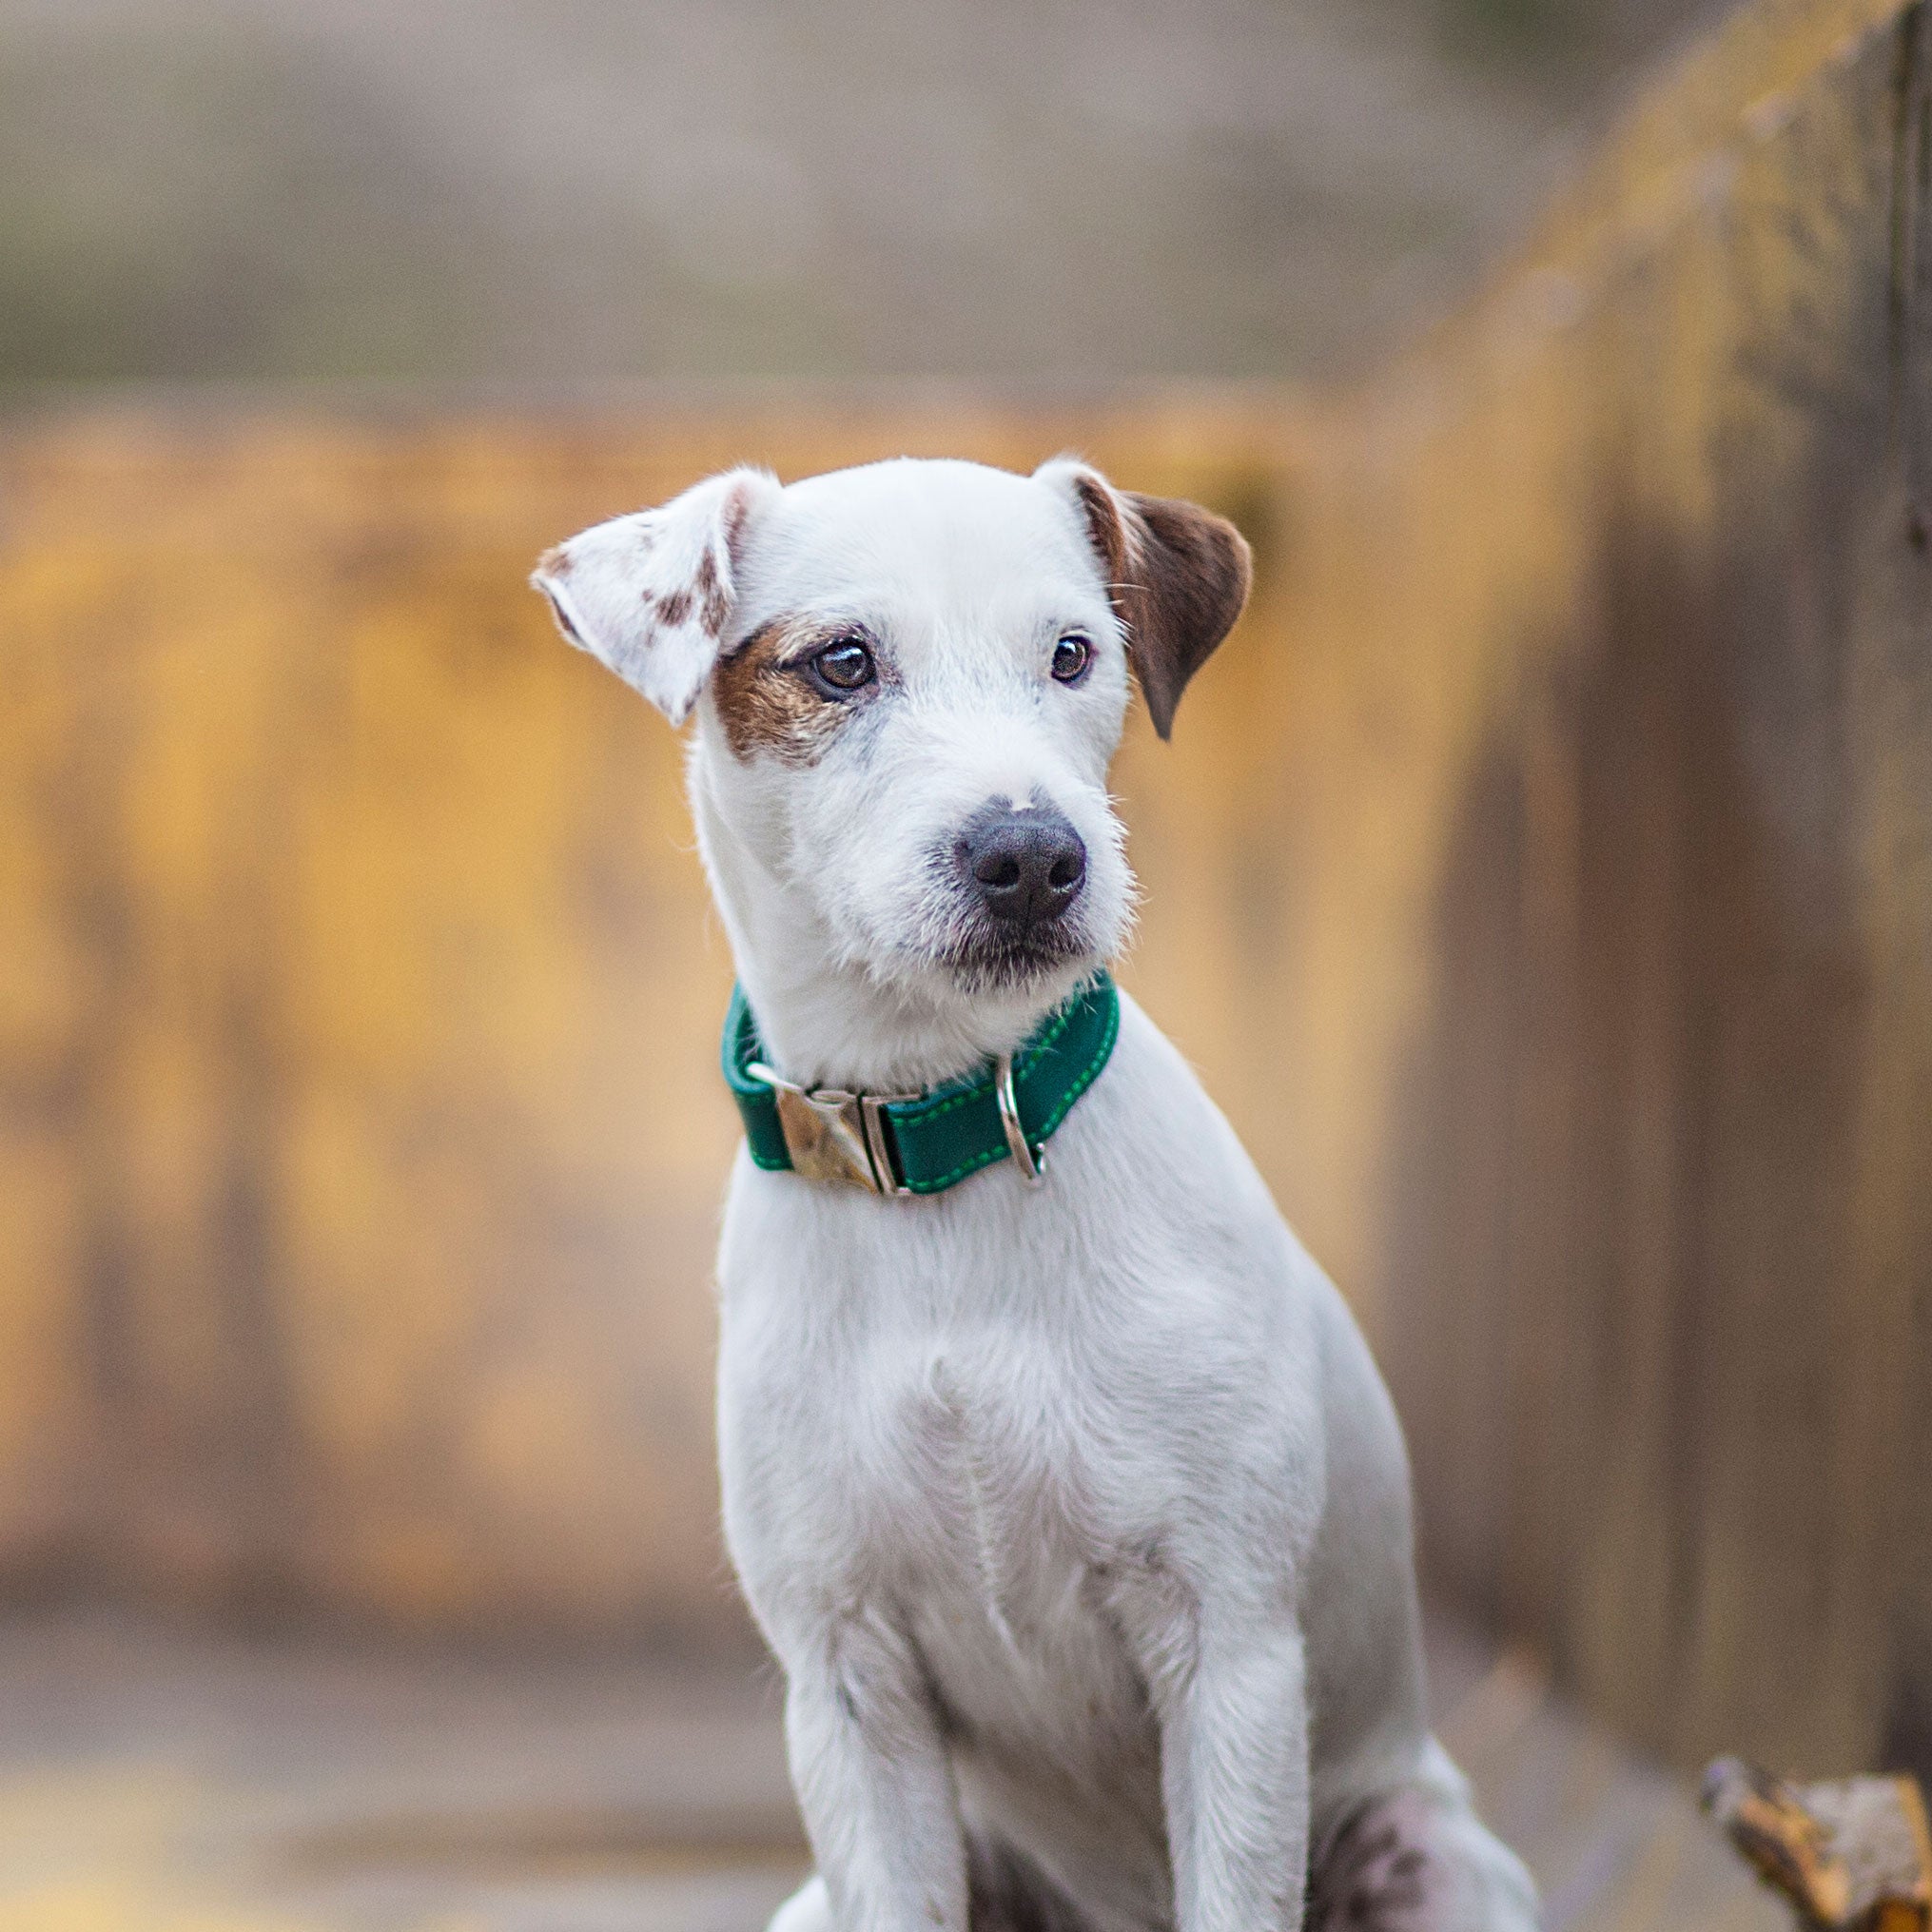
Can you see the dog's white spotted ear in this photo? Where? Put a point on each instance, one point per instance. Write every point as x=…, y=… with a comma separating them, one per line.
x=651, y=595
x=1178, y=577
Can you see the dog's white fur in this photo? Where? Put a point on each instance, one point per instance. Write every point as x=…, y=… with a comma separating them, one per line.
x=1079, y=1518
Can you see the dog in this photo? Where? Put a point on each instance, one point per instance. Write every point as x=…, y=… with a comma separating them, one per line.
x=1058, y=1475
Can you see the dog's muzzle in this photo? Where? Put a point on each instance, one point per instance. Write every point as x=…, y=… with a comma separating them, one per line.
x=1026, y=867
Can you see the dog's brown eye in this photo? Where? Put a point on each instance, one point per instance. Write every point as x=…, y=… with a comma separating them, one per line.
x=1071, y=656
x=844, y=666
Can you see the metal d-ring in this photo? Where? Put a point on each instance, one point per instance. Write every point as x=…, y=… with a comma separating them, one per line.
x=1031, y=1161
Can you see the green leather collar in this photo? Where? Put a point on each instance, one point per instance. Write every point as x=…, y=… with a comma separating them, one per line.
x=924, y=1144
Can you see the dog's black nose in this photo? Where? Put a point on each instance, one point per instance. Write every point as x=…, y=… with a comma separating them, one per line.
x=1027, y=865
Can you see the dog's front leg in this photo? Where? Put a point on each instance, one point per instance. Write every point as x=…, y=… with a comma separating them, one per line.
x=873, y=1781
x=1234, y=1772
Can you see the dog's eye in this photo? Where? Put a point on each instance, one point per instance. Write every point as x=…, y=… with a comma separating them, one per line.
x=844, y=666
x=1071, y=656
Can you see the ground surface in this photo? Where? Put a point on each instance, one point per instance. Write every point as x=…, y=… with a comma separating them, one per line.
x=589, y=190
x=155, y=1780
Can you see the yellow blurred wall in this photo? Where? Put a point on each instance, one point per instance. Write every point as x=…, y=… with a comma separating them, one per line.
x=1539, y=876
x=362, y=1136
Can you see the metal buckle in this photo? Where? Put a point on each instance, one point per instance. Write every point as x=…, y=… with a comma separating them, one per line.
x=1030, y=1160
x=834, y=1136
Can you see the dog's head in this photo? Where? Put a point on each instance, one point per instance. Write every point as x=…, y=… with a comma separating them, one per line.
x=910, y=680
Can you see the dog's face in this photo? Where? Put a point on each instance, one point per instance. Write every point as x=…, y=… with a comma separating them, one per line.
x=910, y=680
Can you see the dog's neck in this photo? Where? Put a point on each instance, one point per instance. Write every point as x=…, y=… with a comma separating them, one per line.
x=826, y=1021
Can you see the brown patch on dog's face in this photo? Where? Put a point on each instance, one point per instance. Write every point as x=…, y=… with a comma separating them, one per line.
x=766, y=701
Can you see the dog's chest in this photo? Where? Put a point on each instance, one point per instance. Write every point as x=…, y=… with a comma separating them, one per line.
x=1004, y=1546
x=981, y=1479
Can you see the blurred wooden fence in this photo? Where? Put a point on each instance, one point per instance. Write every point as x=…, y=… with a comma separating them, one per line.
x=362, y=1139
x=1542, y=876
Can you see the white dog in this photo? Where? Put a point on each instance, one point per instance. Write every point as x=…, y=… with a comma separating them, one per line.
x=1058, y=1475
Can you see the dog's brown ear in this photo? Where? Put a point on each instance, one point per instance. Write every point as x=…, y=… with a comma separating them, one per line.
x=1178, y=575
x=651, y=595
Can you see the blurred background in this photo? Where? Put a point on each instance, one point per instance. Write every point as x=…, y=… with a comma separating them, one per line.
x=582, y=192
x=1541, y=875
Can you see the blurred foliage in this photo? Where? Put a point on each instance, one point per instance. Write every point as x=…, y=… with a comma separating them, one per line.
x=202, y=201
x=1577, y=37
x=1490, y=24
x=261, y=190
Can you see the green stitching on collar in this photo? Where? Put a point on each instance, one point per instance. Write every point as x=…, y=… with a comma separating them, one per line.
x=938, y=1139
